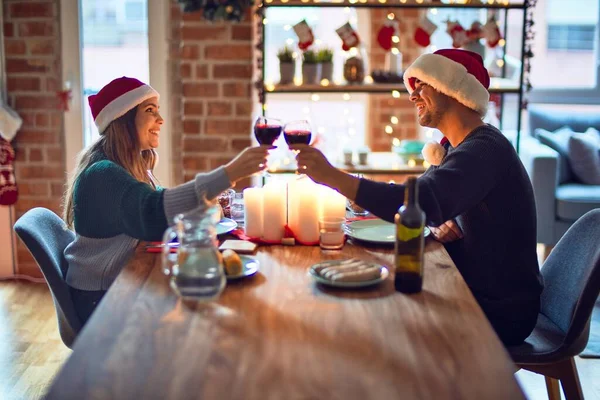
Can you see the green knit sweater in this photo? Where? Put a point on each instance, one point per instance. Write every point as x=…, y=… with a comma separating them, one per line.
x=113, y=211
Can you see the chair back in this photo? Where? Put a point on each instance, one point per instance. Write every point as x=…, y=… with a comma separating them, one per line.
x=572, y=279
x=46, y=237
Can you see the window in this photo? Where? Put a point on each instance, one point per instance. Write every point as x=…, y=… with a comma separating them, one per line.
x=564, y=66
x=571, y=37
x=111, y=48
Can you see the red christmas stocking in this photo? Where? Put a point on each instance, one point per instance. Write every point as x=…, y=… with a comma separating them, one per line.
x=8, y=185
x=424, y=31
x=305, y=35
x=457, y=33
x=384, y=37
x=349, y=36
x=491, y=32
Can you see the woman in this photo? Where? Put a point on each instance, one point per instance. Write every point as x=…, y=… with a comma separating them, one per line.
x=113, y=201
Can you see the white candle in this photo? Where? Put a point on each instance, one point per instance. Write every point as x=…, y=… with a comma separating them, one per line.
x=332, y=203
x=307, y=204
x=253, y=215
x=274, y=213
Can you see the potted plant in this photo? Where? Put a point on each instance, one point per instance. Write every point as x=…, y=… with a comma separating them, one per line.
x=326, y=60
x=287, y=66
x=311, y=69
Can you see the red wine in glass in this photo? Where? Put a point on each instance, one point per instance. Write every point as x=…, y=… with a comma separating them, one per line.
x=297, y=137
x=267, y=134
x=267, y=130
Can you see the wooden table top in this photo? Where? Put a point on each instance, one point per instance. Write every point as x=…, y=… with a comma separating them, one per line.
x=278, y=335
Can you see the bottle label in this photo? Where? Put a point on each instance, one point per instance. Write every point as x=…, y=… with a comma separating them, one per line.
x=405, y=234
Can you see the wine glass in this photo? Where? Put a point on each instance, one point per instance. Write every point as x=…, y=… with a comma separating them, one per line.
x=297, y=132
x=266, y=131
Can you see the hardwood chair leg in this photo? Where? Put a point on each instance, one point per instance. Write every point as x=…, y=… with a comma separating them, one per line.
x=552, y=388
x=569, y=380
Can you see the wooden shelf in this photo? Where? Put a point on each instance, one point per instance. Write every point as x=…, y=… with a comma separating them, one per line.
x=393, y=4
x=379, y=163
x=497, y=85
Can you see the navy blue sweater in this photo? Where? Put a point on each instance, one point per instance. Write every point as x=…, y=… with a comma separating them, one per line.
x=483, y=186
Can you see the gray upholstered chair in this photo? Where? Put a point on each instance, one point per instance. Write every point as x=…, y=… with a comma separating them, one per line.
x=560, y=200
x=571, y=286
x=46, y=237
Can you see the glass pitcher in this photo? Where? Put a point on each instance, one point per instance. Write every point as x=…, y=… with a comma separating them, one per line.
x=196, y=270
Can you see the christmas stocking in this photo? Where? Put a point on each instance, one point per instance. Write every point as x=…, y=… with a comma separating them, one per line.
x=457, y=33
x=8, y=185
x=491, y=32
x=10, y=122
x=385, y=34
x=476, y=32
x=305, y=35
x=349, y=36
x=424, y=31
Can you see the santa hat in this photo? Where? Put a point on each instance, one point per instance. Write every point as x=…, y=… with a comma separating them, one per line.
x=116, y=98
x=459, y=74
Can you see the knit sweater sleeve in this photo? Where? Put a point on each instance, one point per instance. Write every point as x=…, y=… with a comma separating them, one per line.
x=110, y=201
x=464, y=178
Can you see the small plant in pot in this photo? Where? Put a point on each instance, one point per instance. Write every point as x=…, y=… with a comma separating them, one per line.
x=311, y=68
x=287, y=66
x=326, y=59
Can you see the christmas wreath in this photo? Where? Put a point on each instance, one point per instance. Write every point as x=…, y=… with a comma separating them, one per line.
x=215, y=10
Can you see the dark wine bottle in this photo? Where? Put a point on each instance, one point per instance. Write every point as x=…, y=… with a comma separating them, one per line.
x=410, y=241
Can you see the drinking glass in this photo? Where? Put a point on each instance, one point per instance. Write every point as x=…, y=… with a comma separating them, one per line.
x=236, y=204
x=297, y=132
x=266, y=131
x=331, y=233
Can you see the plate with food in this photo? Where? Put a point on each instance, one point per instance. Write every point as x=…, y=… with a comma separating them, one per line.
x=348, y=273
x=374, y=231
x=238, y=266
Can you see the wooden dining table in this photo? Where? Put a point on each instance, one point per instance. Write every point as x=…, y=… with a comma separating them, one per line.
x=280, y=335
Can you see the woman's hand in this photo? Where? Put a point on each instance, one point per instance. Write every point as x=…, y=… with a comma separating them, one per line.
x=250, y=161
x=447, y=232
x=314, y=164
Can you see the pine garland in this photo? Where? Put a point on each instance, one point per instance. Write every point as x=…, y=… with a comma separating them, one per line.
x=216, y=10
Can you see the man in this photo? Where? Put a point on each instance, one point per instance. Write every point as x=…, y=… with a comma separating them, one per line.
x=479, y=197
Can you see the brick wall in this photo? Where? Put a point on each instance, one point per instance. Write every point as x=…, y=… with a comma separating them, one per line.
x=383, y=107
x=212, y=91
x=33, y=70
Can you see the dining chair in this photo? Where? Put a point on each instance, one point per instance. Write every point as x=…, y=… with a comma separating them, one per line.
x=571, y=286
x=46, y=237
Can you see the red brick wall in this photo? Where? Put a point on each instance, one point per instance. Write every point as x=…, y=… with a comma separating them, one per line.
x=212, y=91
x=33, y=69
x=383, y=107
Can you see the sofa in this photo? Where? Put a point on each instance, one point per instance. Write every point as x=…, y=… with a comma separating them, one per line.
x=560, y=199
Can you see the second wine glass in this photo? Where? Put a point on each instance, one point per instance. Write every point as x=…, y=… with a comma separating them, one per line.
x=297, y=132
x=267, y=130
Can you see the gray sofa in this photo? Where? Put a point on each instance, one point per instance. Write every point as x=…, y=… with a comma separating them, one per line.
x=559, y=204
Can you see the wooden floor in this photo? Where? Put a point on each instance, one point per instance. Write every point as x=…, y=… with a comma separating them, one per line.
x=31, y=351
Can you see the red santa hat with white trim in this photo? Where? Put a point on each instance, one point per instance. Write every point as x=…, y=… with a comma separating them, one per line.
x=116, y=98
x=459, y=74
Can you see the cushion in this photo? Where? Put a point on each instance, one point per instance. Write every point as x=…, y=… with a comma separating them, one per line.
x=558, y=141
x=575, y=199
x=584, y=156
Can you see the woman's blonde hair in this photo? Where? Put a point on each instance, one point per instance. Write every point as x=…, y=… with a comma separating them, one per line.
x=120, y=144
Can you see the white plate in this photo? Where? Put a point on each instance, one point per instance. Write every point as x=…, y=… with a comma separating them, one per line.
x=374, y=231
x=249, y=268
x=226, y=225
x=318, y=278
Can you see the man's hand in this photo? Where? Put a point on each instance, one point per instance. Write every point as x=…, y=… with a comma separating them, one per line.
x=447, y=232
x=314, y=164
